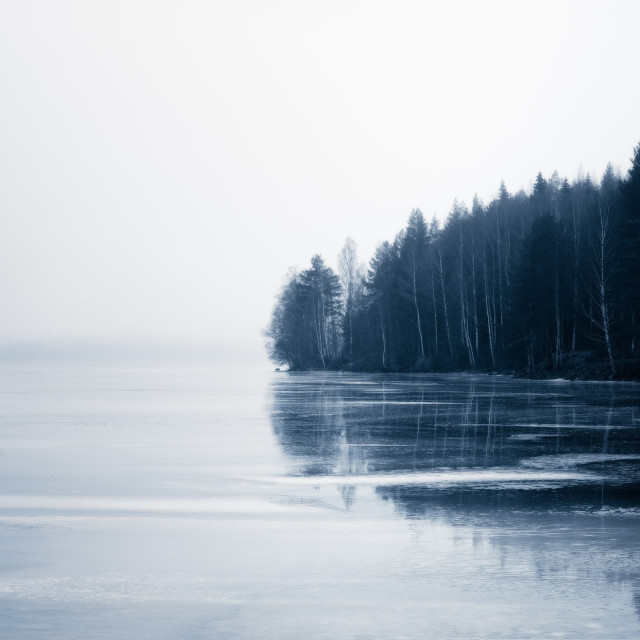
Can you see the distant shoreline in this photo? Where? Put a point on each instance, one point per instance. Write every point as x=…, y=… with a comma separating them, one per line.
x=579, y=366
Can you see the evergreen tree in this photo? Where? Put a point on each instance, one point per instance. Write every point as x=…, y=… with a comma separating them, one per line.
x=628, y=237
x=413, y=251
x=526, y=280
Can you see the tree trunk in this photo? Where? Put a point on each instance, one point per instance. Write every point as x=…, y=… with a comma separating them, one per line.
x=444, y=302
x=415, y=302
x=384, y=342
x=435, y=312
x=490, y=322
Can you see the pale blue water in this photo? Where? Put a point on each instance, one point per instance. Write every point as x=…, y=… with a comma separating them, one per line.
x=203, y=502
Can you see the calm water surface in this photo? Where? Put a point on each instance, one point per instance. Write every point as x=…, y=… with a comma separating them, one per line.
x=202, y=502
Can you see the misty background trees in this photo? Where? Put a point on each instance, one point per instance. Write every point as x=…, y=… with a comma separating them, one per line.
x=530, y=281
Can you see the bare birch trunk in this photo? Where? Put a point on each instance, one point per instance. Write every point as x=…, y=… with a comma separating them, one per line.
x=475, y=299
x=464, y=320
x=415, y=302
x=384, y=342
x=435, y=312
x=444, y=302
x=490, y=322
x=604, y=302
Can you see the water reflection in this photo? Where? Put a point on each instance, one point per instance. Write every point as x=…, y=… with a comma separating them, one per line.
x=347, y=507
x=547, y=472
x=416, y=435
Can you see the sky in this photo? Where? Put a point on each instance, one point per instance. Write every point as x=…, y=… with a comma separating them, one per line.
x=163, y=164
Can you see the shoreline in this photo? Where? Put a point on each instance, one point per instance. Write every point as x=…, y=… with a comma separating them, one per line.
x=575, y=367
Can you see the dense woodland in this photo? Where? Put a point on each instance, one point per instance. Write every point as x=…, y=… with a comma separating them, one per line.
x=542, y=283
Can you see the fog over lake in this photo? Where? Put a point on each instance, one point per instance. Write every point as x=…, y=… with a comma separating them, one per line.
x=190, y=188
x=197, y=501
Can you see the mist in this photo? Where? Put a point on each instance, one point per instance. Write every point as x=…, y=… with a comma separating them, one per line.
x=163, y=164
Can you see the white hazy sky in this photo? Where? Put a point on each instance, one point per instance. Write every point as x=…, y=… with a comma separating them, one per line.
x=162, y=164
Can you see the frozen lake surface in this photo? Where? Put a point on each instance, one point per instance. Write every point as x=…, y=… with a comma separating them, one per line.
x=200, y=502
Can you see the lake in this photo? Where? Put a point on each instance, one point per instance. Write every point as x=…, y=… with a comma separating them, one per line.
x=196, y=501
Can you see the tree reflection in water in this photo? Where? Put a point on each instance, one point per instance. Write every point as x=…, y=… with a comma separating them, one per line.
x=348, y=425
x=444, y=434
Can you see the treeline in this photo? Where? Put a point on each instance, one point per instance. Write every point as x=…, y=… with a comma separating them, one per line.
x=544, y=280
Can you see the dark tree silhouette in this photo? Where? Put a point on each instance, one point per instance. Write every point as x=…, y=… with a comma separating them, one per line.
x=541, y=282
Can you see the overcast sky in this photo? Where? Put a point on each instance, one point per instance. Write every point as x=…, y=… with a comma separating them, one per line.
x=162, y=164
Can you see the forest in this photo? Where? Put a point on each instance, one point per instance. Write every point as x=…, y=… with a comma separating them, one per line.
x=540, y=284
